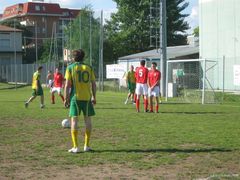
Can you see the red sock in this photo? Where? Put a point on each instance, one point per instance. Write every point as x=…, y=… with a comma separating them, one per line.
x=137, y=104
x=145, y=104
x=53, y=99
x=62, y=97
x=157, y=108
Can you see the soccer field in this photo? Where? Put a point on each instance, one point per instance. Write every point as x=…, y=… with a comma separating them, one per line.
x=183, y=141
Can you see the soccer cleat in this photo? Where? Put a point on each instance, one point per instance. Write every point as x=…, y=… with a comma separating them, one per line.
x=42, y=106
x=26, y=105
x=74, y=150
x=151, y=111
x=87, y=149
x=146, y=110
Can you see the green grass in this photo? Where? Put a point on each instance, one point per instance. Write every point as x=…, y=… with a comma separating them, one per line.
x=183, y=141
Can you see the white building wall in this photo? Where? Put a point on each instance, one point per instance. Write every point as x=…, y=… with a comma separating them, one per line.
x=219, y=31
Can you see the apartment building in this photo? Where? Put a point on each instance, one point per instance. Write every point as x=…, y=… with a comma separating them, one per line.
x=40, y=18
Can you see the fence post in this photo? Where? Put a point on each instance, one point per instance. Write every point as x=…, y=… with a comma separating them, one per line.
x=223, y=88
x=166, y=98
x=204, y=78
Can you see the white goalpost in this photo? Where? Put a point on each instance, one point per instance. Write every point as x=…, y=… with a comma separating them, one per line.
x=193, y=81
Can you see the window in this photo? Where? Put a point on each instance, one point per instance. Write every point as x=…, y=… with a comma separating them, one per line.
x=37, y=8
x=5, y=43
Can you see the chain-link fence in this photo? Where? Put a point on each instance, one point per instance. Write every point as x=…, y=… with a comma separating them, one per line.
x=194, y=81
x=22, y=73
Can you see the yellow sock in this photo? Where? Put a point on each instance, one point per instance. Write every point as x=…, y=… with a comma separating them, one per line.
x=87, y=137
x=74, y=134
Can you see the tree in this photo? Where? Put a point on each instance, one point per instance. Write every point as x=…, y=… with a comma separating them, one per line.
x=78, y=35
x=196, y=32
x=128, y=30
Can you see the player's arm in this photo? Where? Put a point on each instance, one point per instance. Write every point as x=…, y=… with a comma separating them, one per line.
x=68, y=85
x=67, y=88
x=94, y=89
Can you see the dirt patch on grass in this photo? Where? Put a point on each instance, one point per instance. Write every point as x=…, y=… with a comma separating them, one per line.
x=193, y=167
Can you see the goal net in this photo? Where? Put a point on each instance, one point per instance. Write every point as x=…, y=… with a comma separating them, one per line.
x=192, y=81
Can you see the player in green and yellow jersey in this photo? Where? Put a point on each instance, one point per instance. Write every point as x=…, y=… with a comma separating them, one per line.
x=80, y=94
x=131, y=84
x=37, y=88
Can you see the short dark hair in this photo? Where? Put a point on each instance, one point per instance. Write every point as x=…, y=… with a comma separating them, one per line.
x=154, y=63
x=40, y=67
x=78, y=55
x=142, y=62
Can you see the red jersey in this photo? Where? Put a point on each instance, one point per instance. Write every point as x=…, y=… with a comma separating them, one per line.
x=58, y=80
x=141, y=75
x=154, y=77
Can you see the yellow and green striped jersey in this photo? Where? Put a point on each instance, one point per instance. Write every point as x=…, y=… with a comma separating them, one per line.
x=81, y=75
x=36, y=80
x=131, y=77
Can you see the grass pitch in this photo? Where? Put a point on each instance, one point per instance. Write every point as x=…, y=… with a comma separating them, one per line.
x=183, y=141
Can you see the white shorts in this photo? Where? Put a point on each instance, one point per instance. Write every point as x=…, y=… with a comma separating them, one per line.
x=56, y=89
x=141, y=89
x=154, y=92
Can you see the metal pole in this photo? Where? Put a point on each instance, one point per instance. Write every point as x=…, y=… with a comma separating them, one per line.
x=90, y=37
x=204, y=77
x=163, y=45
x=36, y=46
x=15, y=55
x=63, y=46
x=80, y=33
x=166, y=98
x=223, y=90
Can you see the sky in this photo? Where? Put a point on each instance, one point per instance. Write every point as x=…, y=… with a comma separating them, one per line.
x=108, y=6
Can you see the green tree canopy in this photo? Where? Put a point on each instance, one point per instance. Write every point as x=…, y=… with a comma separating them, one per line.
x=80, y=34
x=128, y=31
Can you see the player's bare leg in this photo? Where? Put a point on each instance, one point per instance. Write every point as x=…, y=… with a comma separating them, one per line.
x=138, y=102
x=128, y=96
x=88, y=130
x=53, y=98
x=42, y=101
x=30, y=100
x=145, y=103
x=59, y=94
x=74, y=134
x=151, y=103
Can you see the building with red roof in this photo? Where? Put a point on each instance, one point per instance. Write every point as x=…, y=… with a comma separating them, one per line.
x=40, y=18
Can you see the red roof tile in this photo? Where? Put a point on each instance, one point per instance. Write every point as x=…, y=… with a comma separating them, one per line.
x=38, y=9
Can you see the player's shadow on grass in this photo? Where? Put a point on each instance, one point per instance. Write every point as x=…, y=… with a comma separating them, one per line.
x=113, y=108
x=174, y=150
x=182, y=112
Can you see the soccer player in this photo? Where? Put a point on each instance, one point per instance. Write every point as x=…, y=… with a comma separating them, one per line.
x=141, y=86
x=80, y=79
x=58, y=84
x=154, y=77
x=131, y=84
x=37, y=88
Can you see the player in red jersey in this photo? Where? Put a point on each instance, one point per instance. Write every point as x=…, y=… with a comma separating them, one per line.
x=141, y=85
x=154, y=77
x=58, y=84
